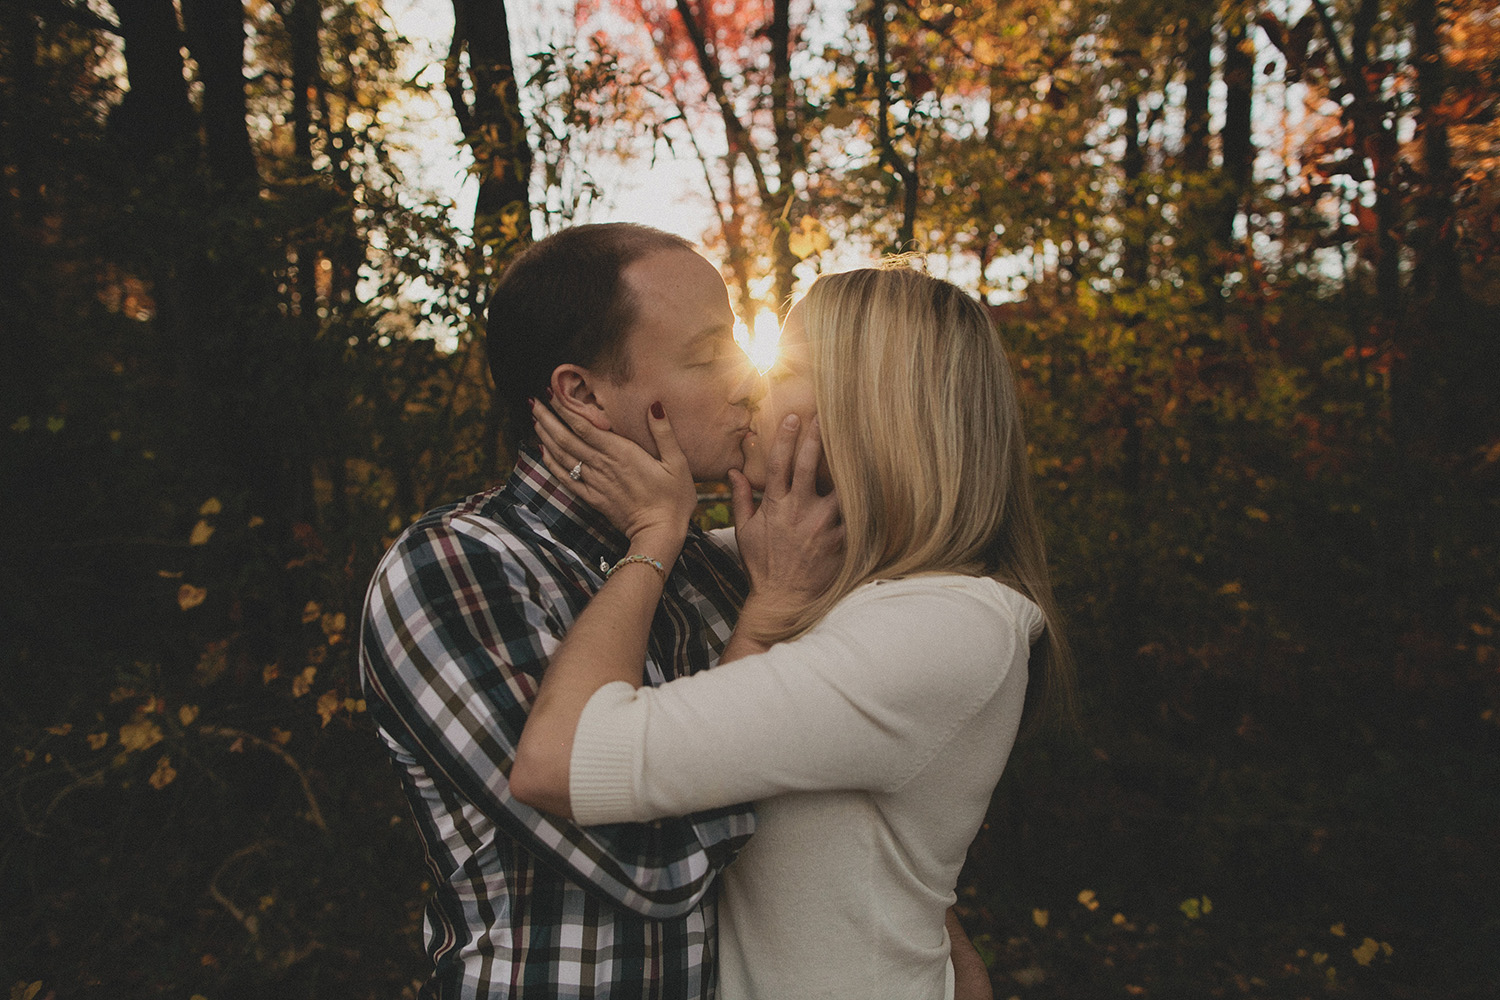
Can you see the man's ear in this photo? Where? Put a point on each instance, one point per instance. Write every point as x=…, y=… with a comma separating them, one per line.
x=573, y=391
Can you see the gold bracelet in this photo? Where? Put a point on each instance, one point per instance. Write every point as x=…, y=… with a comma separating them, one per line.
x=638, y=558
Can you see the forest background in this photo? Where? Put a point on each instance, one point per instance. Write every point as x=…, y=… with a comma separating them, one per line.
x=1246, y=255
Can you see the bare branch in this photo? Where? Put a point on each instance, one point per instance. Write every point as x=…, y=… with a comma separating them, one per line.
x=314, y=814
x=739, y=137
x=452, y=78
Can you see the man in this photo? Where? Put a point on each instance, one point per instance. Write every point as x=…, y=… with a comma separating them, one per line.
x=470, y=602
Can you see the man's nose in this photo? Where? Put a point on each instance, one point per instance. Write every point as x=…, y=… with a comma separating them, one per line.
x=752, y=385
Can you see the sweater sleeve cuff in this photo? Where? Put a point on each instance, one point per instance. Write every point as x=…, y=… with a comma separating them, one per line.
x=603, y=768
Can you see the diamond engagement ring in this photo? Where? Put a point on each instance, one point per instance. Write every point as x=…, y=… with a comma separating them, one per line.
x=576, y=472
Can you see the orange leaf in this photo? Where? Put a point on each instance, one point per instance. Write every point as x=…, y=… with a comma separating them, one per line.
x=328, y=705
x=139, y=735
x=164, y=774
x=302, y=683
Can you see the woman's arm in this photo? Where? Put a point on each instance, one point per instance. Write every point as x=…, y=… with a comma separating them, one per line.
x=862, y=701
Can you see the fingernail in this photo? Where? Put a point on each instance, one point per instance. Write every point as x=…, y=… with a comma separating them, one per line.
x=657, y=411
x=791, y=421
x=531, y=402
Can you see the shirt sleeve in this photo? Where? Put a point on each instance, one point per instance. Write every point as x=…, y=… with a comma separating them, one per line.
x=862, y=701
x=456, y=634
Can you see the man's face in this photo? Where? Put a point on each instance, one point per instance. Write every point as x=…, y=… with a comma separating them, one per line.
x=682, y=353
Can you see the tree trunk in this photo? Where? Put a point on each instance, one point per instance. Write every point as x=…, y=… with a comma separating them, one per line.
x=1436, y=280
x=1198, y=67
x=216, y=36
x=906, y=173
x=155, y=118
x=303, y=23
x=788, y=151
x=489, y=112
x=1236, y=140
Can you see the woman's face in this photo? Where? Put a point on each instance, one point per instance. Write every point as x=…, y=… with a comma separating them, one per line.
x=789, y=390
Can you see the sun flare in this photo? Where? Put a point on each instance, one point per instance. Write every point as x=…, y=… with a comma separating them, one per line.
x=760, y=345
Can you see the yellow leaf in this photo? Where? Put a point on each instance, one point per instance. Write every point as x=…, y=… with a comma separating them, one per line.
x=61, y=730
x=189, y=596
x=1086, y=897
x=328, y=705
x=186, y=714
x=270, y=672
x=97, y=740
x=302, y=683
x=1366, y=951
x=281, y=736
x=139, y=735
x=1256, y=514
x=266, y=902
x=24, y=991
x=810, y=238
x=202, y=532
x=1337, y=930
x=255, y=521
x=211, y=506
x=169, y=574
x=164, y=774
x=1319, y=957
x=1040, y=917
x=311, y=612
x=1118, y=920
x=333, y=625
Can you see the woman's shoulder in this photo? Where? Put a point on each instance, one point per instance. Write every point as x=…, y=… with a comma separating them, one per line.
x=945, y=601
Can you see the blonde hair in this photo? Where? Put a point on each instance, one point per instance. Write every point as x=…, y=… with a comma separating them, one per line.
x=922, y=432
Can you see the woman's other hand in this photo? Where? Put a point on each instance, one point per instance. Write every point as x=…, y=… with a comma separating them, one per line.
x=793, y=543
x=639, y=494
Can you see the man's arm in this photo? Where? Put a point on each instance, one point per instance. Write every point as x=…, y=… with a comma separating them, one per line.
x=971, y=980
x=455, y=640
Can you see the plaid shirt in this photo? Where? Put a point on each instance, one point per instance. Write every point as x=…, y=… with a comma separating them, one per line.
x=460, y=620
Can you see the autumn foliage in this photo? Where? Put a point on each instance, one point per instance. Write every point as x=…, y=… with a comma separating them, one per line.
x=1247, y=257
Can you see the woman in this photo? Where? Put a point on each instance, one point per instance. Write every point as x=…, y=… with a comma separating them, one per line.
x=869, y=699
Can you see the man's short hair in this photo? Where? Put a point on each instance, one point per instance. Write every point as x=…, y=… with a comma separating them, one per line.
x=561, y=301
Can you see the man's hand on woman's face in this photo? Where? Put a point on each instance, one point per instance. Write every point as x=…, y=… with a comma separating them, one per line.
x=793, y=543
x=618, y=477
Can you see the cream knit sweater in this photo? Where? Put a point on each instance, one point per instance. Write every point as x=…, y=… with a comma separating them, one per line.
x=871, y=744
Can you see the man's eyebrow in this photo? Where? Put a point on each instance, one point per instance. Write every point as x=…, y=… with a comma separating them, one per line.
x=714, y=332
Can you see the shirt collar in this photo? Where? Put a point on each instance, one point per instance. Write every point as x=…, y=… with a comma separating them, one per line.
x=568, y=519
